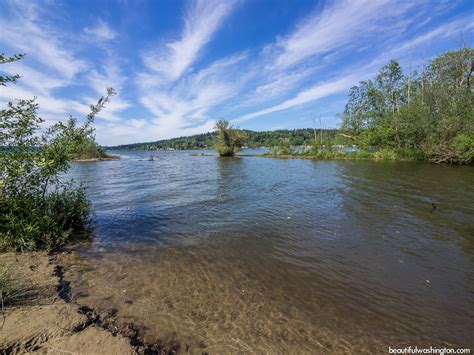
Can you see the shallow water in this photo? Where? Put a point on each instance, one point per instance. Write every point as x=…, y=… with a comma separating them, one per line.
x=252, y=254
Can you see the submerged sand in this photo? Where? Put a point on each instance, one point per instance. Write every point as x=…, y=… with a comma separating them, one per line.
x=43, y=320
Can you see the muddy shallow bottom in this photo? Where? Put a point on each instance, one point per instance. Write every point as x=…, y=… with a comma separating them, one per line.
x=218, y=303
x=280, y=256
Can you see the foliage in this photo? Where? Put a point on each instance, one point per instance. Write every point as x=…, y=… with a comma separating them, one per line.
x=82, y=143
x=4, y=79
x=423, y=115
x=253, y=139
x=283, y=147
x=229, y=140
x=38, y=209
x=6, y=287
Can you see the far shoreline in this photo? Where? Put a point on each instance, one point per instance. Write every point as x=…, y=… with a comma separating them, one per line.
x=89, y=160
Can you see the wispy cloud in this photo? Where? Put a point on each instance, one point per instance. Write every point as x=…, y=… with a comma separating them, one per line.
x=315, y=92
x=202, y=20
x=51, y=64
x=335, y=26
x=338, y=30
x=42, y=43
x=100, y=31
x=179, y=108
x=110, y=76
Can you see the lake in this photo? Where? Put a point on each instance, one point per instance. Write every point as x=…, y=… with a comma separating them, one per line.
x=264, y=255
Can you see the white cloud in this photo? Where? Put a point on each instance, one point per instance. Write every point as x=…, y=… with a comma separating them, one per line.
x=27, y=35
x=177, y=108
x=110, y=77
x=281, y=85
x=51, y=64
x=101, y=31
x=336, y=26
x=202, y=20
x=51, y=108
x=316, y=92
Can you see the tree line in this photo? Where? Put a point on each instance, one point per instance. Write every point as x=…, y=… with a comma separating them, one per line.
x=252, y=139
x=426, y=113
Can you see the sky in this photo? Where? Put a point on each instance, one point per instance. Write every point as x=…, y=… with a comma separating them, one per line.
x=178, y=66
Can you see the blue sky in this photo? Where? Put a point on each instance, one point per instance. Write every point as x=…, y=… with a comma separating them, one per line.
x=180, y=65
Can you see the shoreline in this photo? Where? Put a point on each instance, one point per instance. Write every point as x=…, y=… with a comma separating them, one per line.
x=45, y=317
x=109, y=158
x=310, y=157
x=336, y=157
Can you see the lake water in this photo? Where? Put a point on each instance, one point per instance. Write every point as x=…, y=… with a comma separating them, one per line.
x=264, y=255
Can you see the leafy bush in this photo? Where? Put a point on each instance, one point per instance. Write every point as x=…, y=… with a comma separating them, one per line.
x=460, y=150
x=38, y=210
x=229, y=140
x=31, y=222
x=463, y=146
x=419, y=115
x=385, y=154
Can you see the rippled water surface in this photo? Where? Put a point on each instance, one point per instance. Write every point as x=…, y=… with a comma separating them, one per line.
x=263, y=255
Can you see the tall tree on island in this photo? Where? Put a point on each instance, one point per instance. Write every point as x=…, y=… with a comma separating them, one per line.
x=229, y=140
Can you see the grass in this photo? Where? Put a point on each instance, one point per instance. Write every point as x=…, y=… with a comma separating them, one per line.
x=29, y=223
x=8, y=294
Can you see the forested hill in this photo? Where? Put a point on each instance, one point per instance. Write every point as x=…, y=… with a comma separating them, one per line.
x=253, y=140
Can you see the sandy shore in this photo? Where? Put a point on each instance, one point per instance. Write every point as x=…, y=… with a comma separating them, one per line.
x=44, y=319
x=109, y=158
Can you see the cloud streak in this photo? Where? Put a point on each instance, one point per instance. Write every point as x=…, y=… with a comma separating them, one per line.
x=313, y=93
x=203, y=18
x=101, y=31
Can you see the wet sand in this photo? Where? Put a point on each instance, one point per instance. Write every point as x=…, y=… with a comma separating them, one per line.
x=209, y=303
x=44, y=320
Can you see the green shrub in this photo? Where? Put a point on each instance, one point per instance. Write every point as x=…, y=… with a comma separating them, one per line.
x=385, y=154
x=37, y=209
x=463, y=146
x=364, y=154
x=410, y=154
x=30, y=222
x=423, y=115
x=229, y=140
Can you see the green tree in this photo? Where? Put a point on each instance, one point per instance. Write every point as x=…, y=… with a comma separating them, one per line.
x=229, y=140
x=37, y=208
x=428, y=115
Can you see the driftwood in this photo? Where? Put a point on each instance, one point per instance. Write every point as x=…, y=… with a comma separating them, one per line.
x=346, y=135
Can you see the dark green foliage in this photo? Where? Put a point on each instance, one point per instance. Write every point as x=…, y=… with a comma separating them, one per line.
x=427, y=115
x=31, y=222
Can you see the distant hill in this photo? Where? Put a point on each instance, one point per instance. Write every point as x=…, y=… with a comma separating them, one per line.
x=254, y=139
